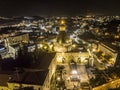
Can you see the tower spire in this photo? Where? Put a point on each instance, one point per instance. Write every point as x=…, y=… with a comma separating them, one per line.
x=62, y=26
x=62, y=40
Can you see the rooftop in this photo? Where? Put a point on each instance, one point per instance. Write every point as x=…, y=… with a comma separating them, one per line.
x=15, y=45
x=44, y=61
x=34, y=78
x=3, y=79
x=111, y=47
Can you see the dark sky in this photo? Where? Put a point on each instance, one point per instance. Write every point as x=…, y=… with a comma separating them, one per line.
x=57, y=7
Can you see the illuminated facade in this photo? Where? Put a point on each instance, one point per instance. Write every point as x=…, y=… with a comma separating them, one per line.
x=38, y=79
x=108, y=52
x=67, y=51
x=18, y=39
x=79, y=58
x=13, y=44
x=110, y=85
x=62, y=40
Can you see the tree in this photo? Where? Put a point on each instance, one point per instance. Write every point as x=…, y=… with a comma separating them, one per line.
x=99, y=53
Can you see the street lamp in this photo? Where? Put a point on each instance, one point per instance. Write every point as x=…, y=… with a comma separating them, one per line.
x=74, y=45
x=58, y=78
x=41, y=45
x=74, y=72
x=62, y=22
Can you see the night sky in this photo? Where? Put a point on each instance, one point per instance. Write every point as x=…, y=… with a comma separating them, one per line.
x=58, y=7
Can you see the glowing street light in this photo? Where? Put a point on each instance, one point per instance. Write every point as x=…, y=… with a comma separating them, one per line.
x=58, y=78
x=41, y=45
x=74, y=72
x=59, y=59
x=74, y=45
x=45, y=47
x=62, y=22
x=93, y=50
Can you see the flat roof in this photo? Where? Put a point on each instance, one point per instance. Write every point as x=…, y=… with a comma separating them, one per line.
x=3, y=79
x=44, y=61
x=33, y=78
x=113, y=48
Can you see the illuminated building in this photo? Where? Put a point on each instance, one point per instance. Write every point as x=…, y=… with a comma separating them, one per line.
x=17, y=39
x=13, y=50
x=62, y=40
x=66, y=51
x=35, y=80
x=14, y=43
x=65, y=47
x=37, y=77
x=108, y=52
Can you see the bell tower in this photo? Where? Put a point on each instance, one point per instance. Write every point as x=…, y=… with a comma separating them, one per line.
x=62, y=26
x=62, y=37
x=62, y=40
